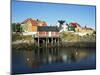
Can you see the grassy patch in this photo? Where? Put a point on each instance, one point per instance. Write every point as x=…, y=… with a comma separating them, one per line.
x=21, y=37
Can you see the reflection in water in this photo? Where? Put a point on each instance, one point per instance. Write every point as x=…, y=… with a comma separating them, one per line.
x=42, y=56
x=52, y=59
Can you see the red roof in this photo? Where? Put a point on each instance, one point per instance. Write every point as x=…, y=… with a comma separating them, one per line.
x=34, y=22
x=74, y=24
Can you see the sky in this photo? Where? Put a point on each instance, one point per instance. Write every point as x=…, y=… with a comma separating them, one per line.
x=52, y=12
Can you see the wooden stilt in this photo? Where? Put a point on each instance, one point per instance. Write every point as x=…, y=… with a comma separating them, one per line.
x=46, y=41
x=38, y=41
x=38, y=44
x=52, y=41
x=55, y=41
x=58, y=41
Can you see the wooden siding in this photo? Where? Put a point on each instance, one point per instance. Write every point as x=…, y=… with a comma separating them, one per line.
x=34, y=28
x=48, y=34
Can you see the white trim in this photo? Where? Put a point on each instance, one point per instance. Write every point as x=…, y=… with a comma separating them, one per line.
x=29, y=33
x=49, y=34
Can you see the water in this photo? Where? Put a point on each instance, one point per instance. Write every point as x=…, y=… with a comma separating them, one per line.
x=52, y=59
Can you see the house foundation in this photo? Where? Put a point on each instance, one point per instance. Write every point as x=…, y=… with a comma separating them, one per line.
x=47, y=41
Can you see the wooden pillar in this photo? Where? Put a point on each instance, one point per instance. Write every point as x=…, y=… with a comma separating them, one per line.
x=38, y=45
x=46, y=41
x=52, y=41
x=58, y=41
x=55, y=41
x=38, y=40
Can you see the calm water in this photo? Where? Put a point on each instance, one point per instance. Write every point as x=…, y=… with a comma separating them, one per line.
x=53, y=59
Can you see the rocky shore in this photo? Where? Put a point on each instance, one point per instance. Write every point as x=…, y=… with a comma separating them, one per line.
x=32, y=46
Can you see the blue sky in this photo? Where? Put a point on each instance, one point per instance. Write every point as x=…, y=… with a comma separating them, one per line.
x=50, y=12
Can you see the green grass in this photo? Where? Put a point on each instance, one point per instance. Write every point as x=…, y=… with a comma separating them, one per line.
x=69, y=36
x=21, y=37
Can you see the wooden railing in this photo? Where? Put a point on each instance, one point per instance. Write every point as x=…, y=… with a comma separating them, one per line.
x=47, y=35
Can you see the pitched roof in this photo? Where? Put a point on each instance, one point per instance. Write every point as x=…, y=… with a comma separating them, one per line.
x=75, y=24
x=48, y=28
x=34, y=22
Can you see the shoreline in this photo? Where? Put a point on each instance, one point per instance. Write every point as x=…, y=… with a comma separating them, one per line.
x=31, y=45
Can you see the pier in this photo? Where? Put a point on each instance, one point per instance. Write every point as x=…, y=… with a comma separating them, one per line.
x=47, y=41
x=47, y=36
